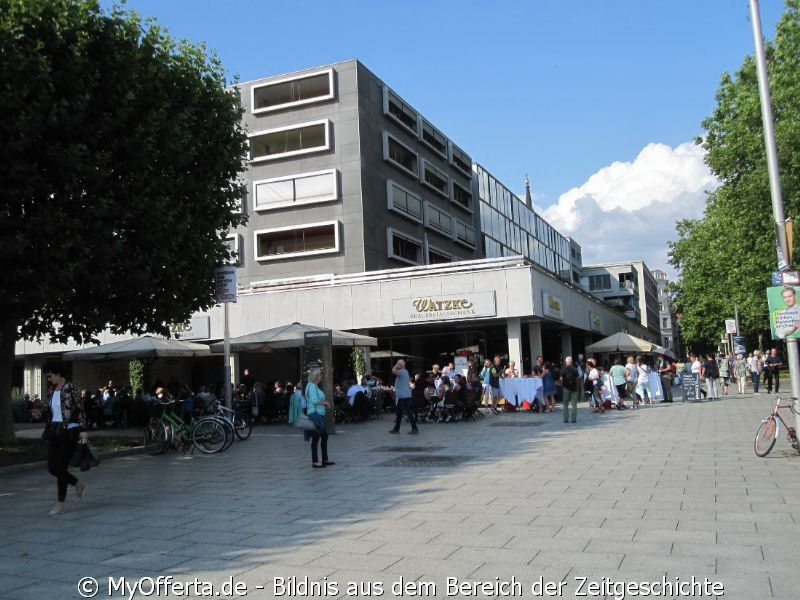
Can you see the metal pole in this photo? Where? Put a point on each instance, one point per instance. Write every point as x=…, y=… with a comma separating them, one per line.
x=227, y=349
x=793, y=358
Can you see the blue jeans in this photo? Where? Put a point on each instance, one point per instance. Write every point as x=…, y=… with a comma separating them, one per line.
x=756, y=381
x=404, y=407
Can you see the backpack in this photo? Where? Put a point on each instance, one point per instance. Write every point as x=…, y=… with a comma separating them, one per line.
x=712, y=370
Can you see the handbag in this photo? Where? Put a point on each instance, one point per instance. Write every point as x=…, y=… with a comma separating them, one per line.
x=85, y=456
x=304, y=423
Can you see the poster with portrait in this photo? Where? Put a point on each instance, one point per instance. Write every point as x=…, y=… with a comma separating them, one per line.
x=784, y=311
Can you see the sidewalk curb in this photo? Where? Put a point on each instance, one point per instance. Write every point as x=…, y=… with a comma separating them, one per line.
x=42, y=464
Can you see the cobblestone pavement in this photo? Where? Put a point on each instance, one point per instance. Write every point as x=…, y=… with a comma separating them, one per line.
x=670, y=491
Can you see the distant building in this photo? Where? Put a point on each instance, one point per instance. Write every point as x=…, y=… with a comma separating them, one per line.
x=670, y=331
x=629, y=287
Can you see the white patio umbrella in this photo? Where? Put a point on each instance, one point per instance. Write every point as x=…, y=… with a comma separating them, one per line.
x=623, y=342
x=290, y=336
x=146, y=346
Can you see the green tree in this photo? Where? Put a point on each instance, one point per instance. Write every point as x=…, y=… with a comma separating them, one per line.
x=726, y=258
x=121, y=153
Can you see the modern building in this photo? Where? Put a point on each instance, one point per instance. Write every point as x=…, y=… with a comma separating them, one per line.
x=629, y=287
x=364, y=216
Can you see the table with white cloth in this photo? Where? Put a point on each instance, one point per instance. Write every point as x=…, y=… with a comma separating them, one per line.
x=516, y=390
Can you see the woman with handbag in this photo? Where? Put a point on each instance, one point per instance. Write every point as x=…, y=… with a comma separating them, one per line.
x=66, y=425
x=316, y=404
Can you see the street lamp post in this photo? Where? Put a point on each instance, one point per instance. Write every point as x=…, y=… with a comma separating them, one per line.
x=784, y=254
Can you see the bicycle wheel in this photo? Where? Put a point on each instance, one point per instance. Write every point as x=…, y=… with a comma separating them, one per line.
x=765, y=437
x=230, y=432
x=242, y=426
x=208, y=436
x=155, y=437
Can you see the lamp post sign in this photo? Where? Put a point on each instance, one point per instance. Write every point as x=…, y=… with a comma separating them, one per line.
x=226, y=293
x=226, y=284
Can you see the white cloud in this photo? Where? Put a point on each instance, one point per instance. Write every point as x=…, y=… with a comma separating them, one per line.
x=628, y=210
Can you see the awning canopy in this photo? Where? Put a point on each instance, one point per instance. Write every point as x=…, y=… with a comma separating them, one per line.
x=146, y=346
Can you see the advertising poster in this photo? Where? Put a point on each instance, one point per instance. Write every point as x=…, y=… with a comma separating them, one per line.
x=784, y=312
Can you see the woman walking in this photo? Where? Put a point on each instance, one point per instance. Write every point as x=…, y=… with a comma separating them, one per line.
x=316, y=404
x=67, y=423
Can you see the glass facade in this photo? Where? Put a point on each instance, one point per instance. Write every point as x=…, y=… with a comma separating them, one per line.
x=509, y=227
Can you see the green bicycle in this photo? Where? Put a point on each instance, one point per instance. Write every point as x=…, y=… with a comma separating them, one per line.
x=207, y=434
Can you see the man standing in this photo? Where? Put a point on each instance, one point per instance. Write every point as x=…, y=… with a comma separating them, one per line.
x=773, y=365
x=402, y=396
x=666, y=374
x=571, y=383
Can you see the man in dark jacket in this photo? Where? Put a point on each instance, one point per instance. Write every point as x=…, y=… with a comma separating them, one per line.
x=571, y=381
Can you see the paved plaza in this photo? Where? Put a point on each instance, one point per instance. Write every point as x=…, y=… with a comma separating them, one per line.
x=669, y=491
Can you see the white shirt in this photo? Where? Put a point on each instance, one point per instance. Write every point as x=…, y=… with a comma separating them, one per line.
x=696, y=367
x=55, y=406
x=352, y=391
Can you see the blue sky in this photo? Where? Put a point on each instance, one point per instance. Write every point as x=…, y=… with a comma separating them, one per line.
x=596, y=100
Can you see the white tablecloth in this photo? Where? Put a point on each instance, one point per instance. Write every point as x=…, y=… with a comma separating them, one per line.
x=654, y=386
x=518, y=389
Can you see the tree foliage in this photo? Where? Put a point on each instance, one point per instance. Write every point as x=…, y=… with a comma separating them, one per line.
x=121, y=153
x=725, y=259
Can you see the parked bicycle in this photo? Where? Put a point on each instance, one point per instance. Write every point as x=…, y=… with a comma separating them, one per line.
x=770, y=429
x=241, y=422
x=208, y=434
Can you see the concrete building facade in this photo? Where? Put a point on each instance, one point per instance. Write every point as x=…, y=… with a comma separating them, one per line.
x=364, y=216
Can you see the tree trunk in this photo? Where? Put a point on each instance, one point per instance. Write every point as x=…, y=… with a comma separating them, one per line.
x=8, y=340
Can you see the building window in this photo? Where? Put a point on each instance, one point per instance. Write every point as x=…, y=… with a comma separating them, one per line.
x=437, y=257
x=460, y=160
x=665, y=323
x=464, y=234
x=435, y=179
x=403, y=247
x=232, y=241
x=305, y=89
x=438, y=220
x=404, y=202
x=290, y=141
x=461, y=195
x=599, y=282
x=399, y=111
x=303, y=240
x=291, y=190
x=400, y=156
x=433, y=138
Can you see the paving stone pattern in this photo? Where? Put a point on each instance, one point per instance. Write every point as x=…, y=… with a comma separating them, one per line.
x=667, y=491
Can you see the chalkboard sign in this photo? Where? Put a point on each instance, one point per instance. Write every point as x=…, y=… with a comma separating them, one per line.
x=689, y=385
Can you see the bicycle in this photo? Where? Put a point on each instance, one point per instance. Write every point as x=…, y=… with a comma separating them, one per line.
x=208, y=434
x=241, y=423
x=769, y=430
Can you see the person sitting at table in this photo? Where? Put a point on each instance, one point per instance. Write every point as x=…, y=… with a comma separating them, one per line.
x=511, y=370
x=357, y=400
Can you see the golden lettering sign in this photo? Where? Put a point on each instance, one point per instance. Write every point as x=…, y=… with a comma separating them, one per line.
x=431, y=305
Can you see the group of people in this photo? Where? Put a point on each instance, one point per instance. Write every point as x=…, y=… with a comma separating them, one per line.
x=715, y=373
